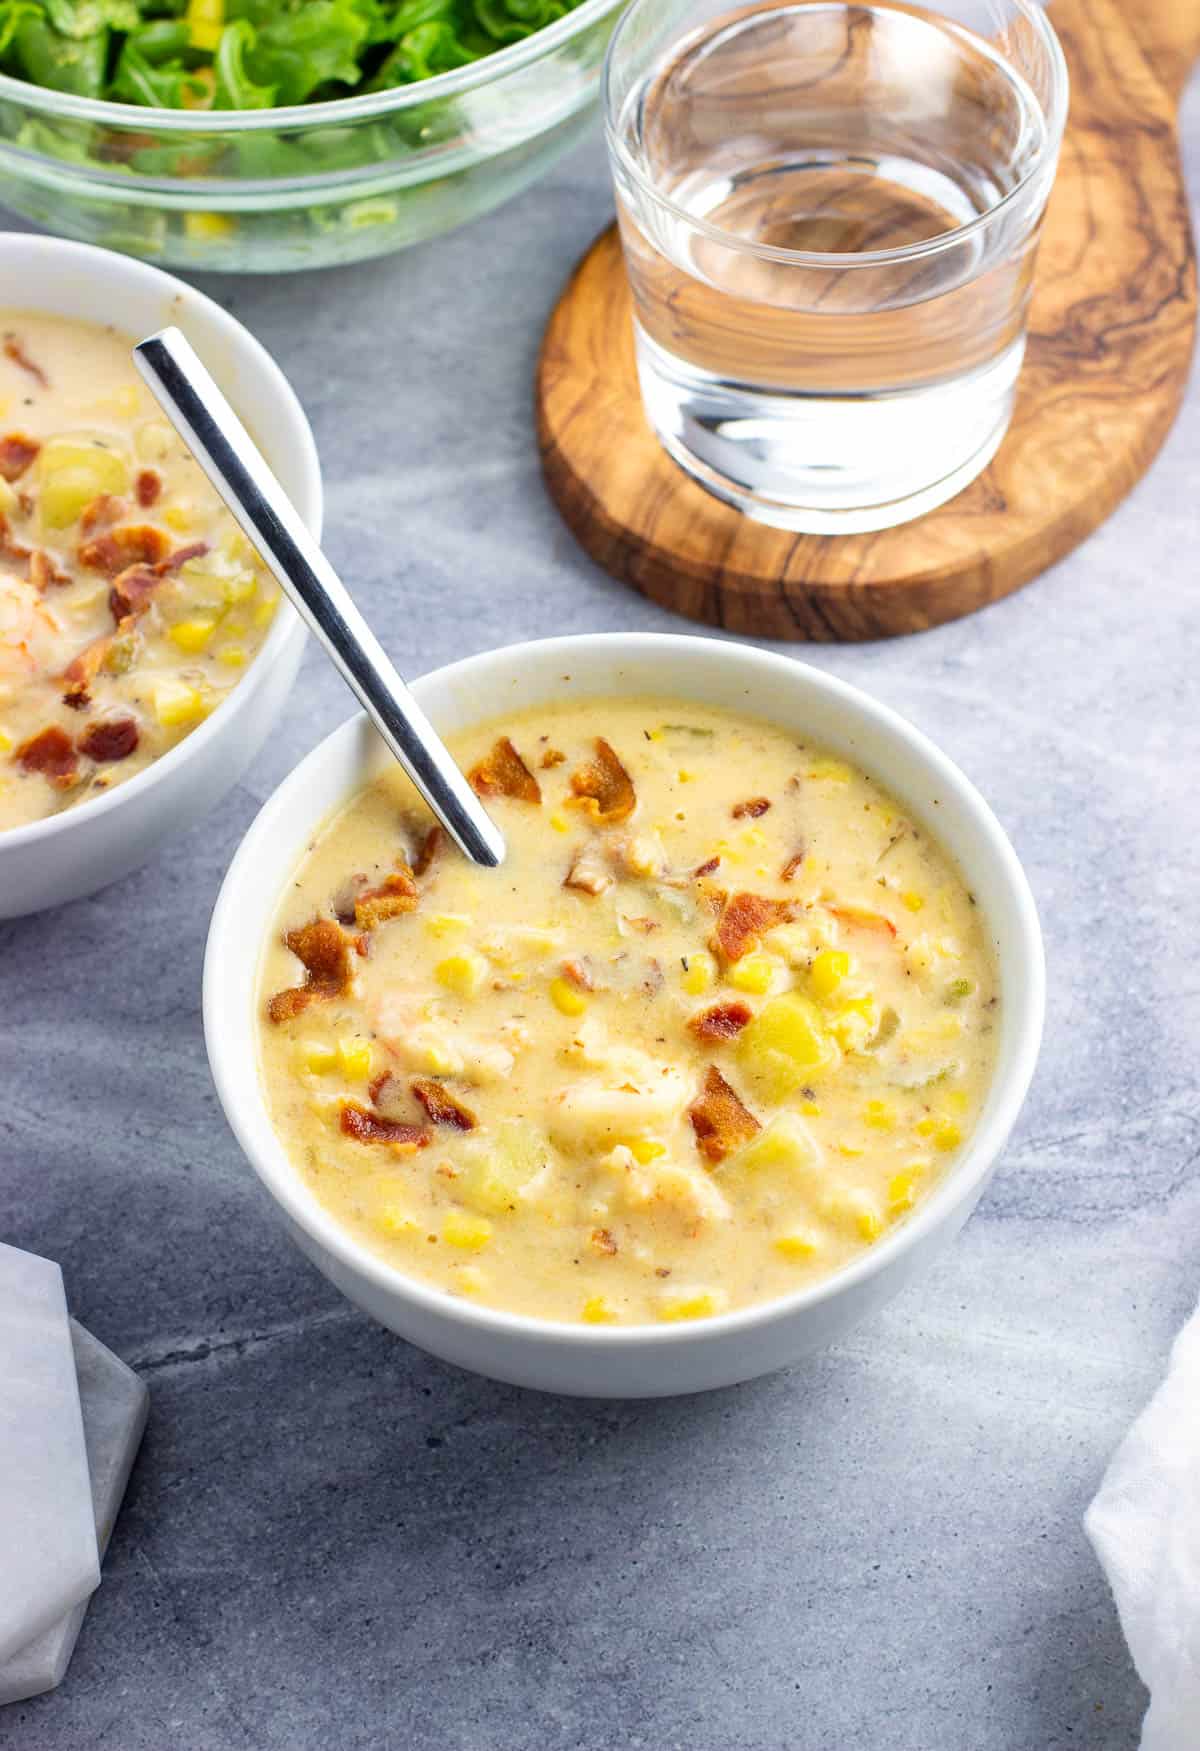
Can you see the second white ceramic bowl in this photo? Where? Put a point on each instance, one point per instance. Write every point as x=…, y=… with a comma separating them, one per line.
x=86, y=847
x=637, y=1361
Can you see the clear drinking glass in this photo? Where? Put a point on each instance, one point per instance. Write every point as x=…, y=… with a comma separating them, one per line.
x=829, y=214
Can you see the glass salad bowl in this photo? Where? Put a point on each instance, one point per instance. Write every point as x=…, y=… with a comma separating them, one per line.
x=266, y=190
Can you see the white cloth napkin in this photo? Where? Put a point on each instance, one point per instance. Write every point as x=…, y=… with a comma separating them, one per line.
x=1145, y=1526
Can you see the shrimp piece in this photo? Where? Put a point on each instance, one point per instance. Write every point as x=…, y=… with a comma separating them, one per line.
x=30, y=632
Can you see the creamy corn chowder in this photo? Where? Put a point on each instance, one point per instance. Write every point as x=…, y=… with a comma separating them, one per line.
x=723, y=1017
x=130, y=602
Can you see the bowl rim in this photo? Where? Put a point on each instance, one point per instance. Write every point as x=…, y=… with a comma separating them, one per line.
x=287, y=626
x=1024, y=992
x=509, y=58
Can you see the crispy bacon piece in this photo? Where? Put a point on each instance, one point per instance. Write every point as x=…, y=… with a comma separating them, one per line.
x=441, y=1105
x=706, y=869
x=430, y=846
x=603, y=1241
x=722, y=1021
x=752, y=808
x=181, y=555
x=16, y=453
x=52, y=753
x=744, y=919
x=504, y=773
x=603, y=787
x=323, y=949
x=580, y=972
x=116, y=738
x=368, y=1127
x=588, y=874
x=720, y=1121
x=101, y=513
x=147, y=486
x=45, y=570
x=15, y=350
x=10, y=549
x=395, y=894
x=793, y=865
x=132, y=592
x=862, y=918
x=128, y=545
x=552, y=757
x=82, y=670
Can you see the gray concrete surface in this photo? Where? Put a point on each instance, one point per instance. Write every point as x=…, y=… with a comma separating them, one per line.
x=330, y=1540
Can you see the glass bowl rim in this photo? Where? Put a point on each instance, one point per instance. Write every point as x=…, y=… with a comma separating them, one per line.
x=1055, y=116
x=367, y=106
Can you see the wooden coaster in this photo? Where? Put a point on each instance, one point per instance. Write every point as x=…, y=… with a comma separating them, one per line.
x=1110, y=342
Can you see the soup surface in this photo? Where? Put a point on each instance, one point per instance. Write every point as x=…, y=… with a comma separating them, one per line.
x=725, y=1014
x=130, y=602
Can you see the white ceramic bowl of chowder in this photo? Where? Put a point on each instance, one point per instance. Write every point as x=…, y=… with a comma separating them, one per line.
x=645, y=1360
x=95, y=842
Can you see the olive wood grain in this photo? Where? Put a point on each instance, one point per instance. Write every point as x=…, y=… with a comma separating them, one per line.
x=1110, y=342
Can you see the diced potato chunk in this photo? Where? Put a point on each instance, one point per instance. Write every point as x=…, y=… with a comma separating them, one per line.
x=785, y=1046
x=74, y=471
x=232, y=655
x=318, y=1056
x=856, y=1212
x=176, y=704
x=496, y=1170
x=354, y=1058
x=783, y=1149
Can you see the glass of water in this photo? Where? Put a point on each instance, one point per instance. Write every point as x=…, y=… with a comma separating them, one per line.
x=829, y=214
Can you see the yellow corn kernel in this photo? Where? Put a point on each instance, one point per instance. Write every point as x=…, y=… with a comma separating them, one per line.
x=645, y=1149
x=942, y=1133
x=796, y=1244
x=232, y=655
x=180, y=518
x=567, y=997
x=855, y=1023
x=316, y=1055
x=463, y=973
x=559, y=824
x=470, y=1280
x=192, y=636
x=443, y=924
x=912, y=900
x=470, y=1233
x=810, y=1108
x=237, y=548
x=176, y=704
x=753, y=973
x=392, y=1218
x=354, y=1057
x=699, y=973
x=880, y=1115
x=956, y=1100
x=832, y=771
x=752, y=838
x=6, y=741
x=691, y=1304
x=265, y=611
x=597, y=1311
x=208, y=227
x=827, y=974
x=850, y=1150
x=902, y=1192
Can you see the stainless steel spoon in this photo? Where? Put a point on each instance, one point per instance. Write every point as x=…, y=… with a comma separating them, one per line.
x=230, y=458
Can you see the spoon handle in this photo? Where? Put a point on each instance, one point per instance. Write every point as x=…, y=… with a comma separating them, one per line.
x=228, y=455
